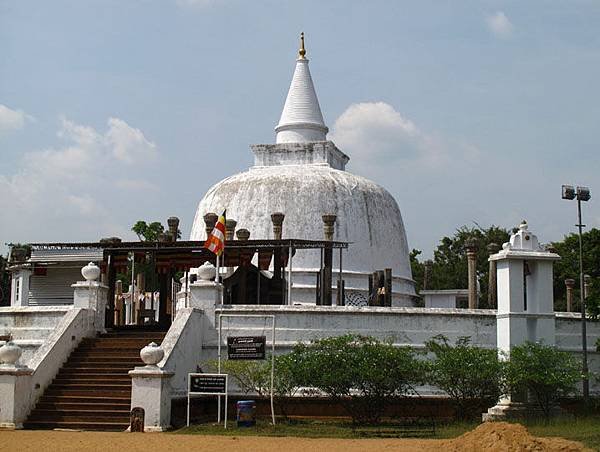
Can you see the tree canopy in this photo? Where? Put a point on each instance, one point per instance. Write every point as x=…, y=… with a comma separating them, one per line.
x=148, y=232
x=568, y=267
x=449, y=269
x=449, y=265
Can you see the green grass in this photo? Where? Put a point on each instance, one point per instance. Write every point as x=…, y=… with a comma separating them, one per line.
x=300, y=428
x=583, y=429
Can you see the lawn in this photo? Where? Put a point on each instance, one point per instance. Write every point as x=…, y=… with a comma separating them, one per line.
x=584, y=429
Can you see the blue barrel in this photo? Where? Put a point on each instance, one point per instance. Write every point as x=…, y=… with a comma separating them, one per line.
x=246, y=413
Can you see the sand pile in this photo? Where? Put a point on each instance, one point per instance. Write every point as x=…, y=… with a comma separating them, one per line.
x=502, y=436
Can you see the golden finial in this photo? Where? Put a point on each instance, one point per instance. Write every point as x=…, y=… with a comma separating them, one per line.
x=302, y=50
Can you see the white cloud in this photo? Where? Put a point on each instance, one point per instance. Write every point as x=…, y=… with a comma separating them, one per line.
x=12, y=119
x=128, y=144
x=68, y=187
x=499, y=25
x=376, y=135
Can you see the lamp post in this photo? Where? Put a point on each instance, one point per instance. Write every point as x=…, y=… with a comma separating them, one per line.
x=581, y=194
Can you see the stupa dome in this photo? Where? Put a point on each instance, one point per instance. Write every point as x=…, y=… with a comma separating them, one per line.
x=305, y=179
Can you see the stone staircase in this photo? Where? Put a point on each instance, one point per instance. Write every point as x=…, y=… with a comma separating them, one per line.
x=92, y=391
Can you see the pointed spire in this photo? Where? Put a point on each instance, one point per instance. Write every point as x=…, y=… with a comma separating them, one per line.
x=301, y=119
x=302, y=51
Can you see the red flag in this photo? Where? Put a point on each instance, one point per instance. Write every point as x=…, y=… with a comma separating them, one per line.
x=216, y=239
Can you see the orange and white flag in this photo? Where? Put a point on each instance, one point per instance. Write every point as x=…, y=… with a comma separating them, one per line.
x=216, y=239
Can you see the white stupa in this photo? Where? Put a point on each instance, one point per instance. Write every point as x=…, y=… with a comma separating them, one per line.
x=303, y=175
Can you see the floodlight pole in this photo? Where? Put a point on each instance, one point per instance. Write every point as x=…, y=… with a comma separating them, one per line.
x=586, y=380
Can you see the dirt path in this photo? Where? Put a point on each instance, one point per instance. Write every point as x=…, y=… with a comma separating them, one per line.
x=487, y=437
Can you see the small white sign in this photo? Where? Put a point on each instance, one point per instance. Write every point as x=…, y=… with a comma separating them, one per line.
x=200, y=384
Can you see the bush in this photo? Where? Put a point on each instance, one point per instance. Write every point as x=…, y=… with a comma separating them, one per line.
x=360, y=372
x=251, y=376
x=471, y=376
x=546, y=373
x=254, y=376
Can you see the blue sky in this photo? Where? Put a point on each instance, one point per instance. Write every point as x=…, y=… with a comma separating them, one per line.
x=466, y=111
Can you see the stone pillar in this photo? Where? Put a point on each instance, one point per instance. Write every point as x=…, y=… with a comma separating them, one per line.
x=570, y=283
x=587, y=285
x=245, y=260
x=427, y=274
x=277, y=220
x=328, y=226
x=173, y=223
x=243, y=234
x=471, y=247
x=119, y=305
x=327, y=271
x=210, y=219
x=230, y=228
x=164, y=237
x=492, y=248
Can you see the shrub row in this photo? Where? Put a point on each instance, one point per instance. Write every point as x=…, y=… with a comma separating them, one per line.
x=365, y=375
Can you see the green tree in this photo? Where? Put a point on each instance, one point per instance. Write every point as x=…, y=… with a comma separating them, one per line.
x=544, y=372
x=361, y=373
x=568, y=267
x=148, y=232
x=471, y=376
x=449, y=270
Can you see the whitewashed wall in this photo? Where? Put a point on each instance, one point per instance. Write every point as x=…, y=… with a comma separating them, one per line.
x=29, y=327
x=403, y=326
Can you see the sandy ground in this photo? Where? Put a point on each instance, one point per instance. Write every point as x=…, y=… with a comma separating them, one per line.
x=496, y=437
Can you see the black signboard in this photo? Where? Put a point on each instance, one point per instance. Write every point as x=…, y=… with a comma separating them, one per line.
x=246, y=347
x=208, y=384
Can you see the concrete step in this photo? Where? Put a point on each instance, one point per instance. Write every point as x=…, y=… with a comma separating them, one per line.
x=80, y=415
x=124, y=340
x=92, y=390
x=106, y=357
x=77, y=425
x=93, y=379
x=108, y=351
x=118, y=342
x=114, y=356
x=92, y=386
x=77, y=406
x=91, y=370
x=89, y=392
x=86, y=400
